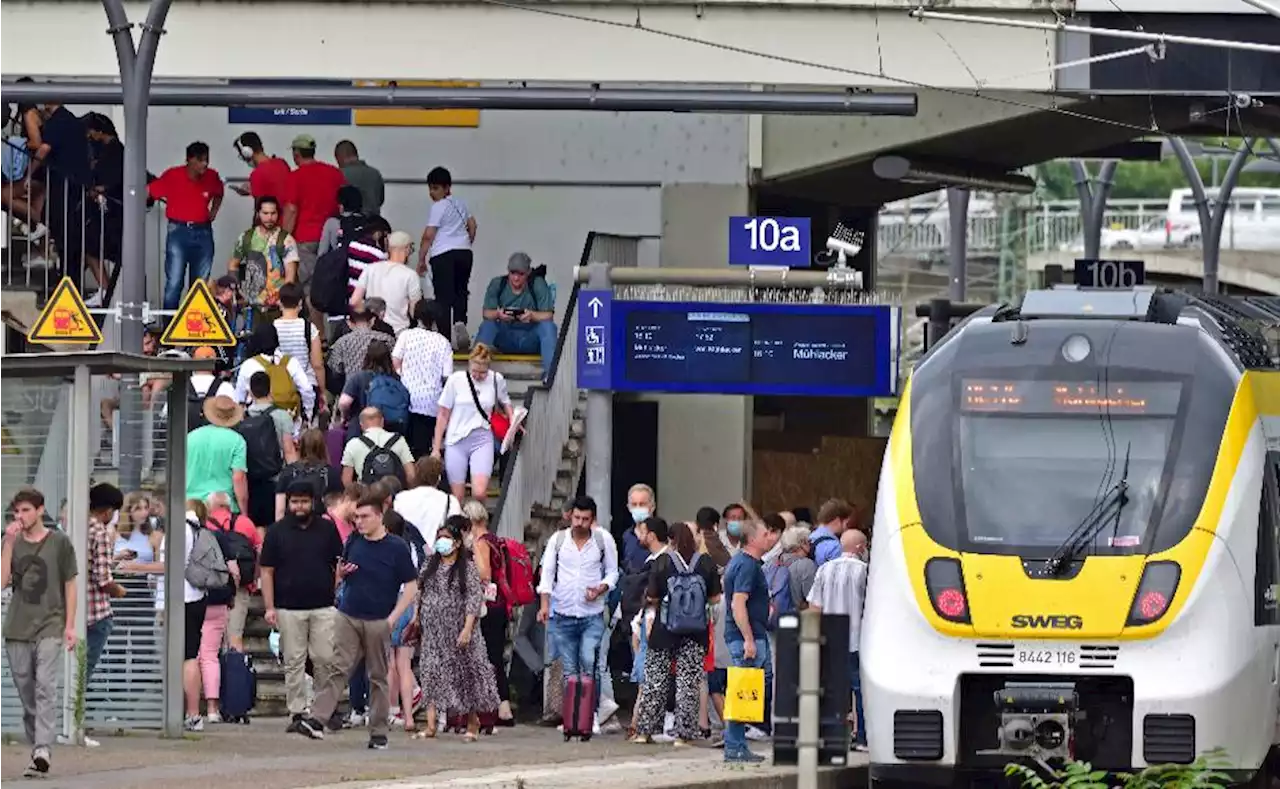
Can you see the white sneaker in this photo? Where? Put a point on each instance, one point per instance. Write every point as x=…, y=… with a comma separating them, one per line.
x=213, y=717
x=461, y=337
x=755, y=734
x=193, y=723
x=94, y=301
x=608, y=708
x=355, y=720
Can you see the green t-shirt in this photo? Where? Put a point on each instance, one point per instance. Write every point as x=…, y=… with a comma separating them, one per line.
x=536, y=296
x=41, y=570
x=213, y=453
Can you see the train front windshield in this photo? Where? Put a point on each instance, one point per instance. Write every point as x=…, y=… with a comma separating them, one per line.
x=1017, y=445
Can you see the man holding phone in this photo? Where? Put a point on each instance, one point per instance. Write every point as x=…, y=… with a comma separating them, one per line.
x=519, y=313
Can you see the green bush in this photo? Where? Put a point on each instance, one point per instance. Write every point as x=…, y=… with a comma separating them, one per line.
x=1203, y=773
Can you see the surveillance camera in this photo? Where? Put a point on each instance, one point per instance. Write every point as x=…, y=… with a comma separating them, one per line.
x=842, y=246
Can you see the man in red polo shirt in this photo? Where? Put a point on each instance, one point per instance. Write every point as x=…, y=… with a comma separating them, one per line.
x=269, y=175
x=313, y=198
x=192, y=194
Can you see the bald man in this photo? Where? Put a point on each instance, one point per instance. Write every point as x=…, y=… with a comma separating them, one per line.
x=839, y=588
x=375, y=437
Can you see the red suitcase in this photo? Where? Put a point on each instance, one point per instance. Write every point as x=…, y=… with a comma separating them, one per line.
x=579, y=711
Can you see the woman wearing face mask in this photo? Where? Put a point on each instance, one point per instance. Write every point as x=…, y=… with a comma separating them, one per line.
x=453, y=669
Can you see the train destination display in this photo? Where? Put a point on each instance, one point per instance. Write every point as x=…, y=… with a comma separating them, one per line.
x=779, y=349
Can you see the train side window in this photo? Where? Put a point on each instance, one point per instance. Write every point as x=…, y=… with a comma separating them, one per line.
x=1266, y=610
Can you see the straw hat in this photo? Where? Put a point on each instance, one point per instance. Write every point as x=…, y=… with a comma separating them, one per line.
x=223, y=411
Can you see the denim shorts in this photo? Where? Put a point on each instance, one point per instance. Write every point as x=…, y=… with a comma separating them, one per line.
x=718, y=681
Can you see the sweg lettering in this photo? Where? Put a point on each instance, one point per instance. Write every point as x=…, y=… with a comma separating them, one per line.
x=1047, y=621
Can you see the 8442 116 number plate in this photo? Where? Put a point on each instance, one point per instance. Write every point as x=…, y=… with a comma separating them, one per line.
x=1052, y=657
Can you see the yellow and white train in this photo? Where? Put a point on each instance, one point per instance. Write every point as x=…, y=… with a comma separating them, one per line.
x=1076, y=547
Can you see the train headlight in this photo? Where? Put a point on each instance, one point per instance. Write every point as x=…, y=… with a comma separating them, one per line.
x=945, y=583
x=1155, y=592
x=1077, y=348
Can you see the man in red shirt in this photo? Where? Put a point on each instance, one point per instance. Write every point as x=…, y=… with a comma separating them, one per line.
x=313, y=198
x=192, y=194
x=269, y=175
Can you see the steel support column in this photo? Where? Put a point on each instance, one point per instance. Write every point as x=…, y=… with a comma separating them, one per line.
x=599, y=443
x=81, y=416
x=175, y=541
x=136, y=67
x=1093, y=202
x=808, y=737
x=1213, y=216
x=958, y=241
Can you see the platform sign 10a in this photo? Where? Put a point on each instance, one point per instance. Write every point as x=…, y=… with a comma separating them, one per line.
x=1113, y=274
x=770, y=241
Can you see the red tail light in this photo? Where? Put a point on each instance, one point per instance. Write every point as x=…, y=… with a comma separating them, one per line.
x=1155, y=593
x=945, y=583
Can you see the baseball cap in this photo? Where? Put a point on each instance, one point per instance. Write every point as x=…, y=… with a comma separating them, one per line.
x=519, y=262
x=303, y=142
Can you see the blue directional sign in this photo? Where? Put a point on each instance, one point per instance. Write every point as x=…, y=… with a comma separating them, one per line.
x=594, y=339
x=770, y=241
x=289, y=116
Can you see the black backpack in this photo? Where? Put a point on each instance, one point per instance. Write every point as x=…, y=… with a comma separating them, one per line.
x=195, y=404
x=381, y=461
x=329, y=282
x=262, y=445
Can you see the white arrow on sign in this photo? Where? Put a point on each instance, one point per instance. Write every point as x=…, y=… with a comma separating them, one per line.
x=595, y=304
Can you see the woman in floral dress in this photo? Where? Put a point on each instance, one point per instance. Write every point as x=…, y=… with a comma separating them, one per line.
x=453, y=669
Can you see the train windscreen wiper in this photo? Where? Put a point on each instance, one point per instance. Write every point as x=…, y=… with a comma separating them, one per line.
x=1105, y=512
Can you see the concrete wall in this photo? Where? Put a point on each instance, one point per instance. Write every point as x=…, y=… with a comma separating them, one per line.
x=704, y=449
x=536, y=182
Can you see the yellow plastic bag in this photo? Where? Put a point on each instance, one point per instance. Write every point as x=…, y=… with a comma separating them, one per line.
x=744, y=697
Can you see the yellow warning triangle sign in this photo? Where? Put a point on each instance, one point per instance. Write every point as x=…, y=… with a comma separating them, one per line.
x=65, y=319
x=199, y=321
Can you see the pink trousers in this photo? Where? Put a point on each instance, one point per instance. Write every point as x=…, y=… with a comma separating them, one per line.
x=215, y=627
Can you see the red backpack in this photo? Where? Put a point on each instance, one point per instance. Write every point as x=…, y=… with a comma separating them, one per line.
x=513, y=572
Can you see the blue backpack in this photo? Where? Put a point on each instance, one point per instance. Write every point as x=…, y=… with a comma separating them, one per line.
x=780, y=602
x=684, y=609
x=389, y=396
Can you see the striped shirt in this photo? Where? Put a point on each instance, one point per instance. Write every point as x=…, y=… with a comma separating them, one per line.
x=359, y=257
x=294, y=334
x=839, y=588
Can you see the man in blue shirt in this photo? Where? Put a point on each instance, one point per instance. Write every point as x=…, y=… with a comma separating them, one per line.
x=746, y=629
x=519, y=313
x=379, y=583
x=833, y=518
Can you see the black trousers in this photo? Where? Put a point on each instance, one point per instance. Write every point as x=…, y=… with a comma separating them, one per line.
x=65, y=218
x=422, y=431
x=450, y=277
x=494, y=629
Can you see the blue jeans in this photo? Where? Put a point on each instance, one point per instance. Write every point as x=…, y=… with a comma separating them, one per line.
x=95, y=641
x=735, y=734
x=358, y=689
x=578, y=643
x=855, y=683
x=188, y=248
x=540, y=338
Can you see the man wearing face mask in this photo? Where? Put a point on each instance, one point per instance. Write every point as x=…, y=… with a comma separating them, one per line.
x=641, y=505
x=731, y=527
x=379, y=584
x=840, y=587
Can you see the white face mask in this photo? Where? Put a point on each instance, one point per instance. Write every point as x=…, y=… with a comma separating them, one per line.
x=115, y=520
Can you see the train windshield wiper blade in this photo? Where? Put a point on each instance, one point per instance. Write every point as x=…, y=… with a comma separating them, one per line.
x=1107, y=511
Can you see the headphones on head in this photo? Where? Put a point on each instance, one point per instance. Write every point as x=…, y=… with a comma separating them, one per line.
x=243, y=151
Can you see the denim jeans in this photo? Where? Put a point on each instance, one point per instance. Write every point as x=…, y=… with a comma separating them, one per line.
x=578, y=643
x=358, y=689
x=95, y=641
x=540, y=338
x=855, y=683
x=188, y=248
x=735, y=734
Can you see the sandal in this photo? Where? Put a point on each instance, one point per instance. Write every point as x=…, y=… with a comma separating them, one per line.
x=470, y=737
x=422, y=734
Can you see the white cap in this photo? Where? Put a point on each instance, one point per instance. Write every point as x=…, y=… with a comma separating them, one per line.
x=399, y=240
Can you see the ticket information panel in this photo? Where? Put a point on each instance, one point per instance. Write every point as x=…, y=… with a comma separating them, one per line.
x=754, y=349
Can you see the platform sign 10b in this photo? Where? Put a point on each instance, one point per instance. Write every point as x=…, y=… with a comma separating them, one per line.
x=770, y=241
x=1112, y=274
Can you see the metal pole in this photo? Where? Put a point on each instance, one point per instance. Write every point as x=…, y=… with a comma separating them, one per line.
x=958, y=241
x=80, y=458
x=212, y=94
x=1192, y=174
x=810, y=707
x=1213, y=239
x=761, y=278
x=600, y=423
x=174, y=557
x=1098, y=204
x=1261, y=5
x=1093, y=204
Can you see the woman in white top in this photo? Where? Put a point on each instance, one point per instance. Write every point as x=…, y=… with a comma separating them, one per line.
x=423, y=358
x=299, y=337
x=425, y=506
x=266, y=343
x=462, y=423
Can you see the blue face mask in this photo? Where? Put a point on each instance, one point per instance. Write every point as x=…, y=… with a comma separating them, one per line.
x=639, y=514
x=444, y=546
x=734, y=528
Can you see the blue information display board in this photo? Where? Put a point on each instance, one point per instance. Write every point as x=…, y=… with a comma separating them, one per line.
x=770, y=241
x=748, y=349
x=594, y=339
x=290, y=116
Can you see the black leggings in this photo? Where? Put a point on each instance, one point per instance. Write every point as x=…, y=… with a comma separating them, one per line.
x=422, y=431
x=450, y=278
x=494, y=629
